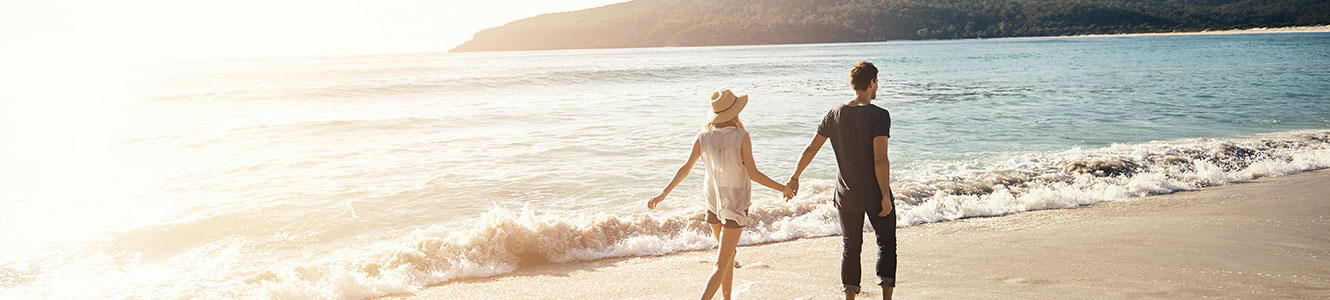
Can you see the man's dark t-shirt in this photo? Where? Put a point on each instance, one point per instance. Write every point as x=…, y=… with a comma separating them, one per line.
x=852, y=129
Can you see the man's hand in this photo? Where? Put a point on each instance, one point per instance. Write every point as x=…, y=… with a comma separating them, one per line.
x=887, y=207
x=651, y=204
x=792, y=188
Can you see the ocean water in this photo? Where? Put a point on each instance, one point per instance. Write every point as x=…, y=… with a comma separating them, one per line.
x=359, y=176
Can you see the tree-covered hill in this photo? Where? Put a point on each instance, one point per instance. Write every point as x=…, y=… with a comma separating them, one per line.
x=655, y=23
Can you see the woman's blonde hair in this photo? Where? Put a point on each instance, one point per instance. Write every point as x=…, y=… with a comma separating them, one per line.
x=737, y=123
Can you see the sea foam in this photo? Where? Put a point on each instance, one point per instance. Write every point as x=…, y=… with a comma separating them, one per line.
x=504, y=240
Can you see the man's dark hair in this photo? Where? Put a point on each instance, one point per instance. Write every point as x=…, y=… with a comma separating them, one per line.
x=862, y=75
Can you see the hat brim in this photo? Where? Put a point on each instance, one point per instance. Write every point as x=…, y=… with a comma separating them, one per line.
x=740, y=102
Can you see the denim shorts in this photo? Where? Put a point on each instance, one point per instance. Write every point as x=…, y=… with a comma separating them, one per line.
x=713, y=219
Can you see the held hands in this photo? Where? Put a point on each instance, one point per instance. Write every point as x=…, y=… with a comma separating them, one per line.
x=791, y=189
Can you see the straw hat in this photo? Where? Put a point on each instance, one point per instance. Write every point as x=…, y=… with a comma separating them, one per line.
x=726, y=106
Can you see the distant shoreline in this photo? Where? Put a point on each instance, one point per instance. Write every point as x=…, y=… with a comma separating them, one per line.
x=1290, y=29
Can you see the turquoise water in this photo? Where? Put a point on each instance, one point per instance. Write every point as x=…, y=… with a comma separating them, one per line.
x=351, y=177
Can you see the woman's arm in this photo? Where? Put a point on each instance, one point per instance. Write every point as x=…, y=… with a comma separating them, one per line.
x=752, y=167
x=679, y=175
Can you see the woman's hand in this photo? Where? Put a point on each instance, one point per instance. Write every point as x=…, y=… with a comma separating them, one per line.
x=651, y=204
x=791, y=189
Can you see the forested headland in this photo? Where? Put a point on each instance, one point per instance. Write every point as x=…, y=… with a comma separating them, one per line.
x=658, y=23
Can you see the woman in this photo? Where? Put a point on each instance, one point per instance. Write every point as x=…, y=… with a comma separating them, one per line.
x=727, y=154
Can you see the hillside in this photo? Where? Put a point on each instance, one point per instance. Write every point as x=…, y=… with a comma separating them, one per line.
x=656, y=23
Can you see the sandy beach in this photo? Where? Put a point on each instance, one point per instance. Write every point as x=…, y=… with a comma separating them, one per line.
x=1264, y=239
x=418, y=149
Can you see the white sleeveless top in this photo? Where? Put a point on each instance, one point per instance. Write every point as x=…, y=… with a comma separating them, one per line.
x=727, y=187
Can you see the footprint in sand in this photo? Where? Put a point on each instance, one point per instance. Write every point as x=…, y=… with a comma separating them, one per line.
x=736, y=263
x=756, y=265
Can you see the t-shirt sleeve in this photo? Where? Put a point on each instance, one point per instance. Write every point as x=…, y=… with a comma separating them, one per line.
x=882, y=126
x=825, y=128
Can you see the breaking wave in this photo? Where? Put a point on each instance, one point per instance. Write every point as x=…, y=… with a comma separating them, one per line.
x=504, y=240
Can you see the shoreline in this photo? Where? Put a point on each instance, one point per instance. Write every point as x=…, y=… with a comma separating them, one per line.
x=1258, y=239
x=1288, y=29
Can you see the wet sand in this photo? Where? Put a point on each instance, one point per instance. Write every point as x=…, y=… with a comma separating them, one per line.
x=1265, y=239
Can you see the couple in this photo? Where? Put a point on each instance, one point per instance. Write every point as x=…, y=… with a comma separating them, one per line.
x=858, y=131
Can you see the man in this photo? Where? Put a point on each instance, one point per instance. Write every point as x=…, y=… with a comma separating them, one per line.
x=859, y=131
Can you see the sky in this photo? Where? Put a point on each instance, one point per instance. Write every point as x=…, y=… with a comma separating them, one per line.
x=64, y=63
x=190, y=29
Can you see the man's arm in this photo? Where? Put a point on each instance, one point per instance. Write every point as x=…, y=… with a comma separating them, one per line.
x=805, y=159
x=882, y=170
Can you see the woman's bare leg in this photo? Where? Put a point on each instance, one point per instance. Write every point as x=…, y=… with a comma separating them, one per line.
x=729, y=240
x=728, y=283
x=715, y=232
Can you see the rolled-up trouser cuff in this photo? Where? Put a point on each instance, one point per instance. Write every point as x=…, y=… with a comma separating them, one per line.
x=887, y=282
x=850, y=289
